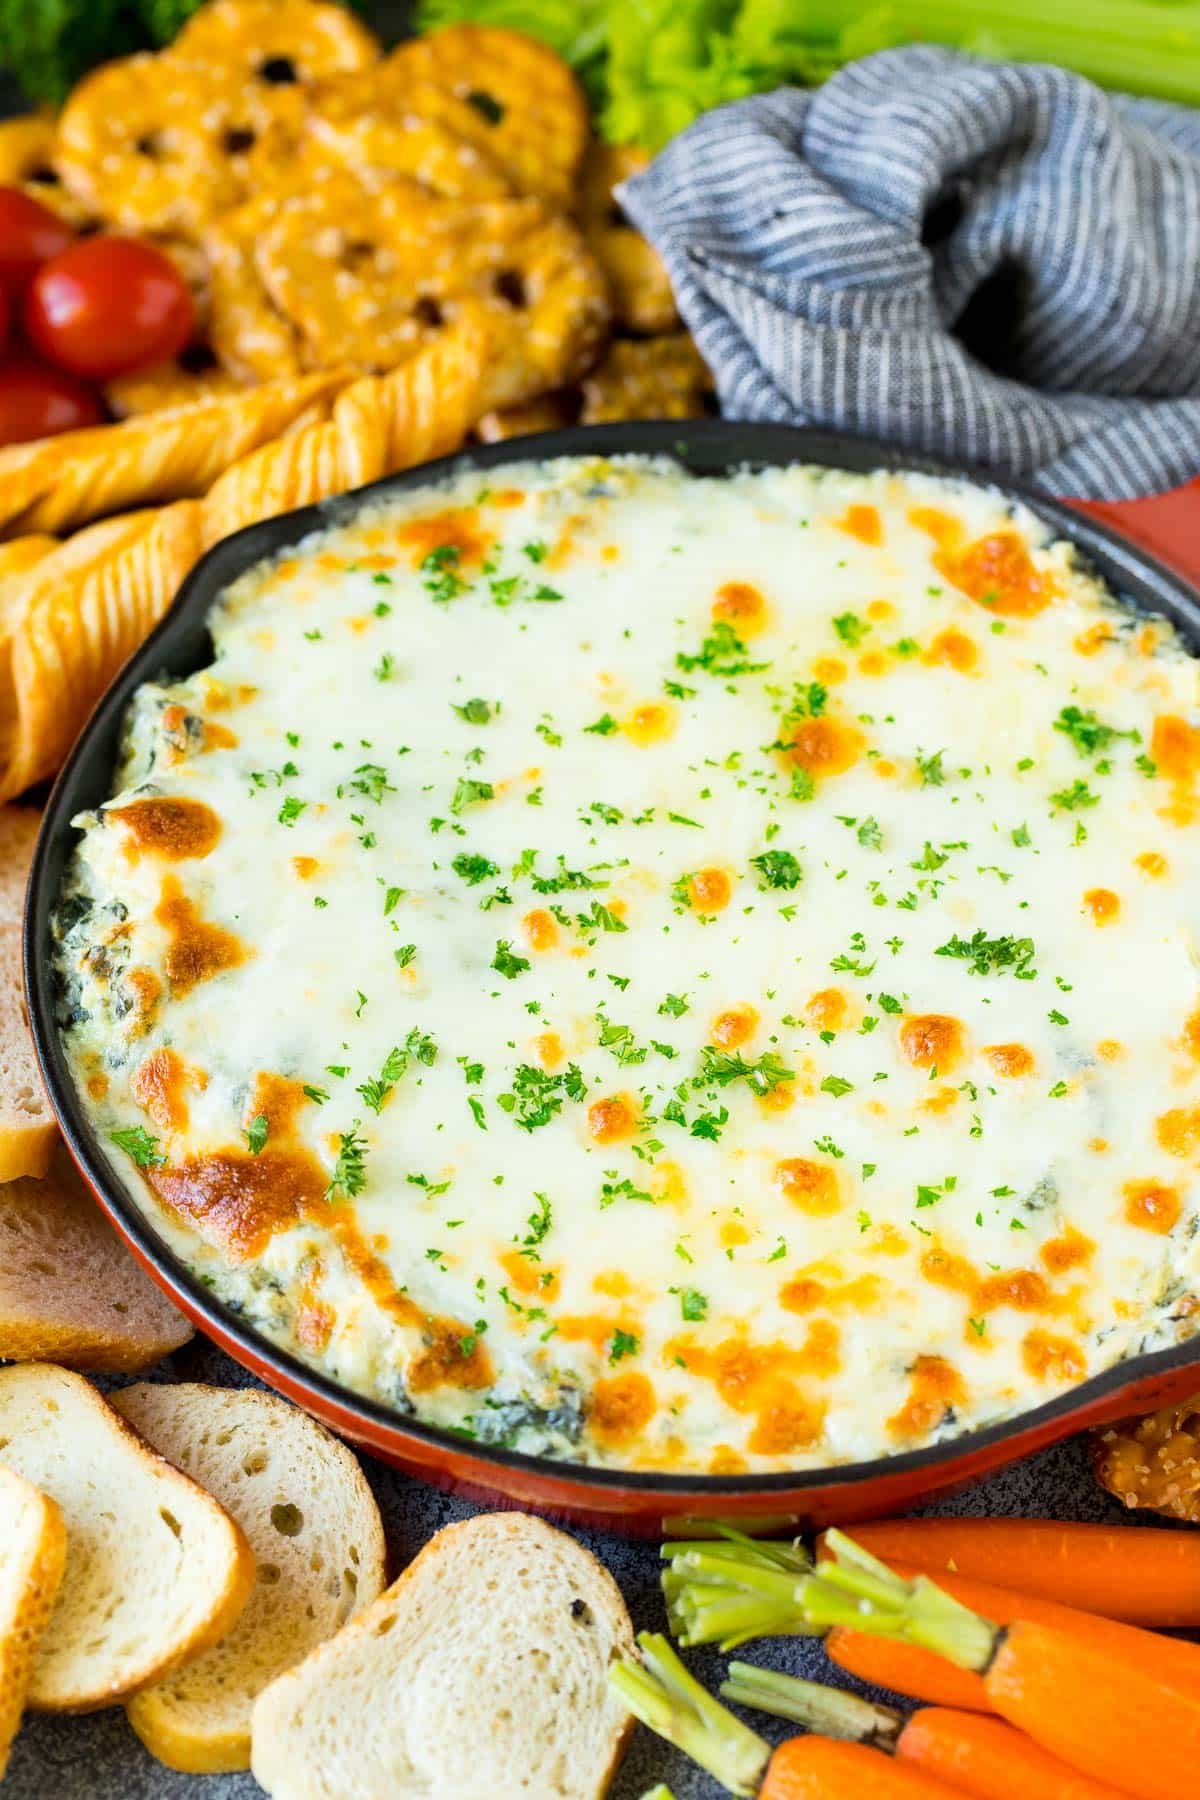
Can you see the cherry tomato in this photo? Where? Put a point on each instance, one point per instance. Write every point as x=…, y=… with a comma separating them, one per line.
x=30, y=234
x=106, y=305
x=36, y=401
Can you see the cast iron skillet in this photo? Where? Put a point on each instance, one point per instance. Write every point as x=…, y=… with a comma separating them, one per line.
x=630, y=1501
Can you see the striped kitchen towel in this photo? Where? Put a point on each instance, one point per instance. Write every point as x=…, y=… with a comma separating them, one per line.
x=990, y=262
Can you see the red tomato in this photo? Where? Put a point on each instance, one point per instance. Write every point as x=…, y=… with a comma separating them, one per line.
x=38, y=402
x=29, y=235
x=107, y=305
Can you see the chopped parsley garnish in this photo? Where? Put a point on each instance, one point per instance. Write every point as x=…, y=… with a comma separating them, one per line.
x=722, y=1067
x=432, y=1188
x=674, y=1004
x=600, y=918
x=256, y=1134
x=851, y=629
x=385, y=668
x=137, y=1142
x=350, y=1169
x=992, y=956
x=474, y=711
x=1072, y=798
x=369, y=780
x=440, y=568
x=623, y=1190
x=777, y=869
x=693, y=1305
x=506, y=963
x=604, y=726
x=721, y=653
x=930, y=769
x=622, y=1343
x=474, y=868
x=1089, y=733
x=536, y=1096
x=404, y=954
x=836, y=1085
x=468, y=792
x=539, y=1223
x=317, y=1095
x=376, y=1089
x=291, y=809
x=418, y=1046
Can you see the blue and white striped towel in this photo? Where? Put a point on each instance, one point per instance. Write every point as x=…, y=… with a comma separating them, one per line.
x=985, y=261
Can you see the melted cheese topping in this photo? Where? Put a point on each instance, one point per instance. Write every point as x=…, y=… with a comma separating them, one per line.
x=686, y=974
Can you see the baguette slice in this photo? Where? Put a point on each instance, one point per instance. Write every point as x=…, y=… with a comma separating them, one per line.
x=33, y=1549
x=69, y=1290
x=314, y=1527
x=156, y=1570
x=483, y=1670
x=27, y=1130
x=19, y=826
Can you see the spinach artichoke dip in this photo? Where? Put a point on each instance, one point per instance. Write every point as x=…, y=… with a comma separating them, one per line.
x=674, y=973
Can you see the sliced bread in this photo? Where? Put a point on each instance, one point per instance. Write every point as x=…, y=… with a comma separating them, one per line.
x=483, y=1670
x=312, y=1522
x=156, y=1570
x=69, y=1290
x=27, y=1129
x=33, y=1548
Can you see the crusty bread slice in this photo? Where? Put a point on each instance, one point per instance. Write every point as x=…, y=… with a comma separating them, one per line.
x=19, y=827
x=26, y=1118
x=314, y=1527
x=33, y=1548
x=156, y=1570
x=69, y=1290
x=483, y=1670
x=27, y=1130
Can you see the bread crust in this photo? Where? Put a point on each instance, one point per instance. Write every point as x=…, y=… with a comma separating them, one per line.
x=30, y=1588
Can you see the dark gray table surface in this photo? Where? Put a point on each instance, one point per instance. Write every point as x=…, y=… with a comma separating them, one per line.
x=98, y=1757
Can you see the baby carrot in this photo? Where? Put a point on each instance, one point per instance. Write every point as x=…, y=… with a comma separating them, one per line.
x=923, y=1675
x=818, y=1768
x=990, y=1760
x=906, y=1669
x=969, y=1753
x=1104, y=1713
x=660, y=1692
x=1140, y=1574
x=1111, y=1708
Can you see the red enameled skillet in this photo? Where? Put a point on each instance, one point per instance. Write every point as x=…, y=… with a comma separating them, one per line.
x=631, y=1502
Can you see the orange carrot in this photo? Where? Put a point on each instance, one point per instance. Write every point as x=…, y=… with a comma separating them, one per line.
x=1140, y=1574
x=906, y=1669
x=1102, y=1712
x=817, y=1768
x=919, y=1673
x=969, y=1752
x=990, y=1761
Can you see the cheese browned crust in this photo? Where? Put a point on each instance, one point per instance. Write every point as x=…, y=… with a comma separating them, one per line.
x=675, y=973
